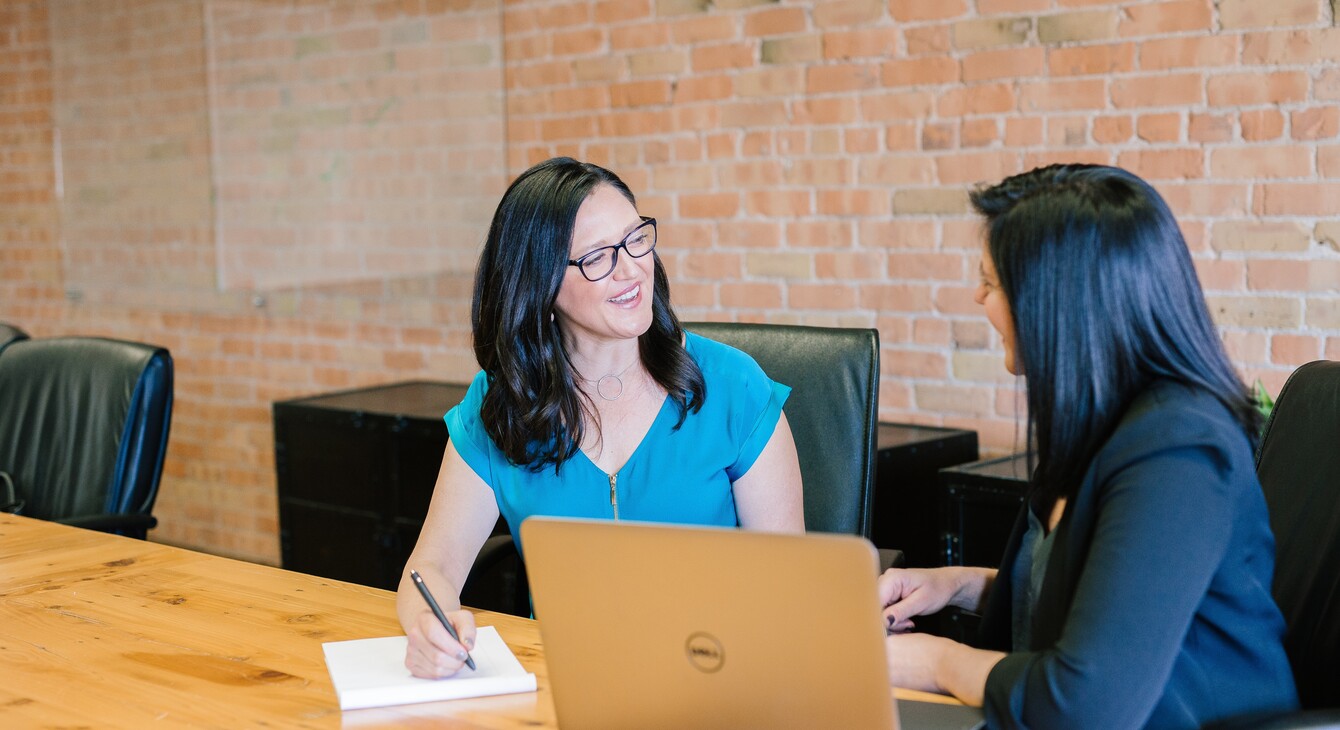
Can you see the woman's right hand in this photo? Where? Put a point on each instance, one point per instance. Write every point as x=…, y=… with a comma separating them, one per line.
x=908, y=592
x=432, y=653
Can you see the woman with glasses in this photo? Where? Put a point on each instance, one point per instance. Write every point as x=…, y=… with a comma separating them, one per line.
x=1135, y=590
x=592, y=400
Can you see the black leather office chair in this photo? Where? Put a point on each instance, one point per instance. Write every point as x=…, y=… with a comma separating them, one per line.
x=1299, y=468
x=833, y=410
x=83, y=430
x=9, y=333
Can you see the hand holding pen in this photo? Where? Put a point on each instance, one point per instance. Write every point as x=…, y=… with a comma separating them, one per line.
x=441, y=617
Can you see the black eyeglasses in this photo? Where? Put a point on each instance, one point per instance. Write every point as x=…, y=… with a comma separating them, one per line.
x=600, y=263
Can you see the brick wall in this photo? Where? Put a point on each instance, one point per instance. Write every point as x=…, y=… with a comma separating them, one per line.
x=809, y=161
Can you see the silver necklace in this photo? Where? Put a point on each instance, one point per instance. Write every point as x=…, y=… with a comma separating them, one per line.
x=612, y=382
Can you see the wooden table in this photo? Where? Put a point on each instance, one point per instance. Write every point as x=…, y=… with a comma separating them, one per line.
x=104, y=631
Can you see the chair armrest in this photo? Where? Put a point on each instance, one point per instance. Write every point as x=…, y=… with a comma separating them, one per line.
x=1294, y=720
x=495, y=550
x=131, y=524
x=890, y=558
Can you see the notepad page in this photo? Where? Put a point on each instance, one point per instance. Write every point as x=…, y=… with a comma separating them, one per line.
x=372, y=673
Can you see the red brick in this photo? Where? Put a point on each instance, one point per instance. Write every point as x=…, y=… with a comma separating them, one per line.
x=1178, y=90
x=1328, y=161
x=709, y=205
x=1294, y=350
x=979, y=132
x=1283, y=275
x=841, y=77
x=1210, y=128
x=1235, y=14
x=847, y=12
x=994, y=7
x=850, y=265
x=936, y=136
x=1111, y=130
x=617, y=11
x=976, y=167
x=1068, y=131
x=1090, y=60
x=751, y=295
x=865, y=43
x=894, y=170
x=860, y=141
x=927, y=40
x=754, y=234
x=821, y=296
x=1306, y=199
x=772, y=81
x=931, y=70
x=853, y=202
x=774, y=21
x=1249, y=89
x=703, y=88
x=722, y=56
x=1176, y=164
x=896, y=297
x=896, y=105
x=1167, y=17
x=818, y=234
x=1291, y=47
x=1062, y=95
x=1182, y=52
x=1023, y=132
x=906, y=11
x=1315, y=123
x=690, y=30
x=920, y=266
x=779, y=203
x=977, y=99
x=1159, y=127
x=1004, y=63
x=1241, y=162
x=1259, y=125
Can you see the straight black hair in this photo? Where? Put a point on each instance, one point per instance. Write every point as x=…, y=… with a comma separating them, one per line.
x=533, y=410
x=1105, y=300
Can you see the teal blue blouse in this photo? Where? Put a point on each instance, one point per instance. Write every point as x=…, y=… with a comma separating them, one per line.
x=679, y=475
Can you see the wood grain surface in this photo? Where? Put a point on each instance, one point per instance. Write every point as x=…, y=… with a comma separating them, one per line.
x=103, y=631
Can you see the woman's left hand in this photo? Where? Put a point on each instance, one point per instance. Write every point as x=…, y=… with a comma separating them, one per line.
x=913, y=659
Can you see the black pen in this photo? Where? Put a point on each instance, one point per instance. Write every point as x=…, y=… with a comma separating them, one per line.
x=437, y=611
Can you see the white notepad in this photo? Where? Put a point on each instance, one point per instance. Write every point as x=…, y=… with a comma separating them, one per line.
x=372, y=673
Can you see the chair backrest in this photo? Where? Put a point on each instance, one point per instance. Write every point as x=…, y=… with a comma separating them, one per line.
x=1299, y=467
x=84, y=426
x=833, y=410
x=9, y=333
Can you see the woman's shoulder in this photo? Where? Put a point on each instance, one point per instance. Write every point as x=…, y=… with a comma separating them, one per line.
x=1170, y=416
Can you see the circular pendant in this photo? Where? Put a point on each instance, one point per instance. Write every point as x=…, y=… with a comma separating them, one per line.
x=609, y=383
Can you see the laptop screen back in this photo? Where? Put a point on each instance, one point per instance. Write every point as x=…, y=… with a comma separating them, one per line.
x=653, y=626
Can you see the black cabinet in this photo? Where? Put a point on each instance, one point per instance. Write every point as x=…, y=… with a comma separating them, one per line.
x=982, y=500
x=907, y=511
x=356, y=471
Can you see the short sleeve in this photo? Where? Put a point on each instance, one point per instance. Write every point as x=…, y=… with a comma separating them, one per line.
x=742, y=407
x=466, y=431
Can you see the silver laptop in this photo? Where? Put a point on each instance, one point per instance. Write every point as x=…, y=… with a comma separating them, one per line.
x=654, y=626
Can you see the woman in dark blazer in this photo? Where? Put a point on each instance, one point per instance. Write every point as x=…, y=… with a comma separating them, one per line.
x=1135, y=590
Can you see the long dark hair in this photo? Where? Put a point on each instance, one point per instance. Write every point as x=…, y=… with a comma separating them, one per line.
x=1105, y=300
x=533, y=409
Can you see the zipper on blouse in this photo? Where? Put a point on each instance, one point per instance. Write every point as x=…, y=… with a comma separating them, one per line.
x=614, y=493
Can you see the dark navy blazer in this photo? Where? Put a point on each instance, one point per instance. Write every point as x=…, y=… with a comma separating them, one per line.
x=1155, y=609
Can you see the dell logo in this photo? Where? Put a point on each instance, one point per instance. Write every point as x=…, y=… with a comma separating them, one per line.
x=704, y=652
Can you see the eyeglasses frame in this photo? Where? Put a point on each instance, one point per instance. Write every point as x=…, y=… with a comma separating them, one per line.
x=614, y=250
